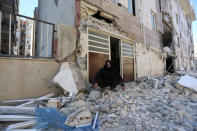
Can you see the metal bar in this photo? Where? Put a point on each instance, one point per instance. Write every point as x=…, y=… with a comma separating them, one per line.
x=95, y=120
x=10, y=37
x=35, y=19
x=19, y=39
x=0, y=30
x=47, y=40
x=40, y=53
x=53, y=42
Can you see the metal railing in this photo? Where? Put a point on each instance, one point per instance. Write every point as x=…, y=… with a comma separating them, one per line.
x=22, y=36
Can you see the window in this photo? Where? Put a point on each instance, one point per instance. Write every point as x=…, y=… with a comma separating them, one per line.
x=160, y=5
x=131, y=7
x=115, y=1
x=153, y=20
x=177, y=19
x=29, y=46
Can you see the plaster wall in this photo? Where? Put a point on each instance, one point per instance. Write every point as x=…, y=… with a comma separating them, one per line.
x=26, y=78
x=56, y=12
x=146, y=7
x=149, y=63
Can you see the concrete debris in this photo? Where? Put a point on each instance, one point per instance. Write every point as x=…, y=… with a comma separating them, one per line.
x=94, y=95
x=54, y=103
x=69, y=78
x=189, y=82
x=157, y=103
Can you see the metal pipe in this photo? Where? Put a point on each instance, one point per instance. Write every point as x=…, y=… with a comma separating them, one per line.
x=40, y=40
x=47, y=41
x=53, y=41
x=0, y=30
x=10, y=37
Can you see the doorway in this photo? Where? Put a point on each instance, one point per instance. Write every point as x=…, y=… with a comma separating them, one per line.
x=170, y=64
x=115, y=53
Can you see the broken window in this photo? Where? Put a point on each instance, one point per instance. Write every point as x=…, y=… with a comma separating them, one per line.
x=153, y=20
x=97, y=15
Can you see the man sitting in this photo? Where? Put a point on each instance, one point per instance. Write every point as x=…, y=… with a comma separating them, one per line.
x=107, y=76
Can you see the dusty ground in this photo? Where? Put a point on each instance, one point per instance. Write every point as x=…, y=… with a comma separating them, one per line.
x=156, y=104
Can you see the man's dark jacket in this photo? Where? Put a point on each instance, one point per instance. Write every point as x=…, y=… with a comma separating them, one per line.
x=108, y=76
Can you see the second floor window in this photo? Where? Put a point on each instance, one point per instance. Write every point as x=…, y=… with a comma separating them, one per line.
x=132, y=7
x=153, y=20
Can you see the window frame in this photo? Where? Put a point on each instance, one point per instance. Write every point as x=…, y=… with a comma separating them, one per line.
x=153, y=20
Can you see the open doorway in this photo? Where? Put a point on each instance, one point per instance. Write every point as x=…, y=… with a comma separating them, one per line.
x=115, y=53
x=170, y=64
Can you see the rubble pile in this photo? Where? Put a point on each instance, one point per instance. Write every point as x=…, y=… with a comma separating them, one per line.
x=158, y=103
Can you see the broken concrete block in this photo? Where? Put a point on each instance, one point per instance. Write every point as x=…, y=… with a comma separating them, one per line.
x=189, y=82
x=70, y=78
x=84, y=117
x=54, y=103
x=94, y=95
x=194, y=97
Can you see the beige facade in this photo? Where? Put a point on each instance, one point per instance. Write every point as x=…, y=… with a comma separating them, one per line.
x=26, y=78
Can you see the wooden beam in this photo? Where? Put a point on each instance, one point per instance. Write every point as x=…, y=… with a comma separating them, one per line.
x=16, y=118
x=31, y=102
x=17, y=110
x=22, y=125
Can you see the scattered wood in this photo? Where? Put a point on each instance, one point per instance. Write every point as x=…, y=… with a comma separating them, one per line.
x=31, y=102
x=17, y=110
x=16, y=118
x=22, y=125
x=25, y=100
x=25, y=130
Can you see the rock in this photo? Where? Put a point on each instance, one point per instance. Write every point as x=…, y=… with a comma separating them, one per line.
x=166, y=90
x=112, y=115
x=194, y=98
x=84, y=118
x=54, y=103
x=94, y=95
x=124, y=113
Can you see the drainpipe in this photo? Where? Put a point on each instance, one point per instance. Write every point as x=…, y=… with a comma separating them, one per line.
x=142, y=25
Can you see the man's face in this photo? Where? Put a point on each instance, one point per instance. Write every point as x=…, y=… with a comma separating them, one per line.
x=108, y=65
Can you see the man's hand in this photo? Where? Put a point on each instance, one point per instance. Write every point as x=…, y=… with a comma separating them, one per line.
x=95, y=85
x=123, y=88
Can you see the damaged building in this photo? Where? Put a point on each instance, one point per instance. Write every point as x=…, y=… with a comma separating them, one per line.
x=142, y=38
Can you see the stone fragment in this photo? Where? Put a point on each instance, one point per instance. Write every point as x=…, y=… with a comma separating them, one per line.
x=112, y=115
x=94, y=95
x=54, y=103
x=166, y=90
x=194, y=97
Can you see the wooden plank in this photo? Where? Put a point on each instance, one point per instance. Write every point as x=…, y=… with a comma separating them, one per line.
x=31, y=102
x=17, y=110
x=15, y=101
x=22, y=125
x=128, y=69
x=96, y=61
x=16, y=118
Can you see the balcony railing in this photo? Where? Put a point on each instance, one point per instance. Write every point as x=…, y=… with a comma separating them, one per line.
x=22, y=36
